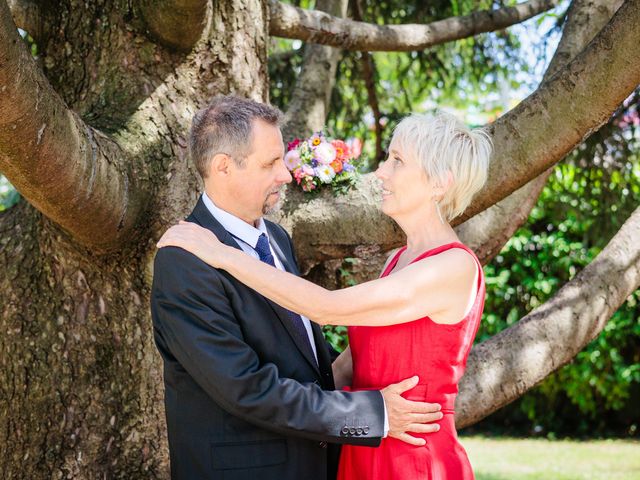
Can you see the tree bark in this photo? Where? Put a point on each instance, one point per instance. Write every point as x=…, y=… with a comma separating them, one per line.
x=80, y=378
x=309, y=104
x=504, y=367
x=27, y=15
x=176, y=24
x=312, y=26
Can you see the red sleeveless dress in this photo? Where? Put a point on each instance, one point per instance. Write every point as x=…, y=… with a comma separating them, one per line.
x=437, y=353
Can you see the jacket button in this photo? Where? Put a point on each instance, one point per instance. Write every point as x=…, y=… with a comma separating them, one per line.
x=358, y=431
x=352, y=431
x=345, y=430
x=365, y=430
x=322, y=444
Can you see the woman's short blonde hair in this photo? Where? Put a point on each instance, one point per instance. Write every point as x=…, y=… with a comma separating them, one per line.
x=442, y=144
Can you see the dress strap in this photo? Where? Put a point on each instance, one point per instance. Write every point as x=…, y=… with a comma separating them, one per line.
x=448, y=246
x=393, y=261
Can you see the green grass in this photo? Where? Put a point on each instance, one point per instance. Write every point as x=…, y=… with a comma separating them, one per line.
x=529, y=459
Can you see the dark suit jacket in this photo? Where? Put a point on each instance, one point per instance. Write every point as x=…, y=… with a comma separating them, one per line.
x=243, y=399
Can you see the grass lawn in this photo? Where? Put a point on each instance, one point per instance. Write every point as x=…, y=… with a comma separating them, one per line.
x=516, y=459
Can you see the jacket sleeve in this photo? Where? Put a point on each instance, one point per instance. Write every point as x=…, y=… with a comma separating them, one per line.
x=193, y=313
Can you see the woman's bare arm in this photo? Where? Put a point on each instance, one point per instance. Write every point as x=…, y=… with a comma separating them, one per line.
x=436, y=286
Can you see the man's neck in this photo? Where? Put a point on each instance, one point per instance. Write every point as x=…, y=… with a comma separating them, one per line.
x=230, y=207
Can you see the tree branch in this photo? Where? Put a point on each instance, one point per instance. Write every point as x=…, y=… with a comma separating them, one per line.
x=565, y=110
x=487, y=232
x=502, y=368
x=176, y=24
x=67, y=170
x=307, y=109
x=316, y=27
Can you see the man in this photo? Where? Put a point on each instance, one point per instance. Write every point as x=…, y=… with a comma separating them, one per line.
x=249, y=390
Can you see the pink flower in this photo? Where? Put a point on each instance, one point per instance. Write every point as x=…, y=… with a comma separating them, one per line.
x=324, y=153
x=355, y=145
x=292, y=159
x=308, y=185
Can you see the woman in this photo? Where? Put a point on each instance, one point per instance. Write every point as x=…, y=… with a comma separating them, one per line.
x=421, y=316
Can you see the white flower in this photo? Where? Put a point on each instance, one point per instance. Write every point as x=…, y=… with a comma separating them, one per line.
x=292, y=159
x=324, y=153
x=325, y=173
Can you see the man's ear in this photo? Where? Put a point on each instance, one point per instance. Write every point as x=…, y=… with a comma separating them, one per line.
x=219, y=165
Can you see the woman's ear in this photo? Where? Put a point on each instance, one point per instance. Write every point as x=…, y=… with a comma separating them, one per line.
x=442, y=187
x=448, y=183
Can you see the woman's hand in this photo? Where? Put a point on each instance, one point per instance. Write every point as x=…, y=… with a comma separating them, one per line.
x=195, y=239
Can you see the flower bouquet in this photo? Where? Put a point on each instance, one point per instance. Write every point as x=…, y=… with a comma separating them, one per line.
x=319, y=161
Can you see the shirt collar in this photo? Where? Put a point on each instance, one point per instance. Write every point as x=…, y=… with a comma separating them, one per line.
x=234, y=225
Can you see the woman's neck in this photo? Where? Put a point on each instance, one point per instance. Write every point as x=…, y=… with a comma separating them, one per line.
x=425, y=232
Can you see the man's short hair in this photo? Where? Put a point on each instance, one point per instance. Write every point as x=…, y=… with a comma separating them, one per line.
x=225, y=126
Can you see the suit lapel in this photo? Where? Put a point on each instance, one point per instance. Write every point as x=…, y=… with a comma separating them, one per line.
x=202, y=216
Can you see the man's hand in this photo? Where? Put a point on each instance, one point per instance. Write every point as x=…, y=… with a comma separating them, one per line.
x=407, y=416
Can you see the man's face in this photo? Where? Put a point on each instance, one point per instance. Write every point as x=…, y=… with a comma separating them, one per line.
x=256, y=186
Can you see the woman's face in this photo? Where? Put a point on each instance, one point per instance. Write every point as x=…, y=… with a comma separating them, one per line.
x=404, y=182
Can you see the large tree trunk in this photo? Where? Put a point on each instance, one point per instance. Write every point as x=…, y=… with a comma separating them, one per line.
x=80, y=379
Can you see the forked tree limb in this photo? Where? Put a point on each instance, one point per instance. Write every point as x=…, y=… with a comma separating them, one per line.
x=72, y=173
x=566, y=109
x=528, y=140
x=487, y=232
x=309, y=104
